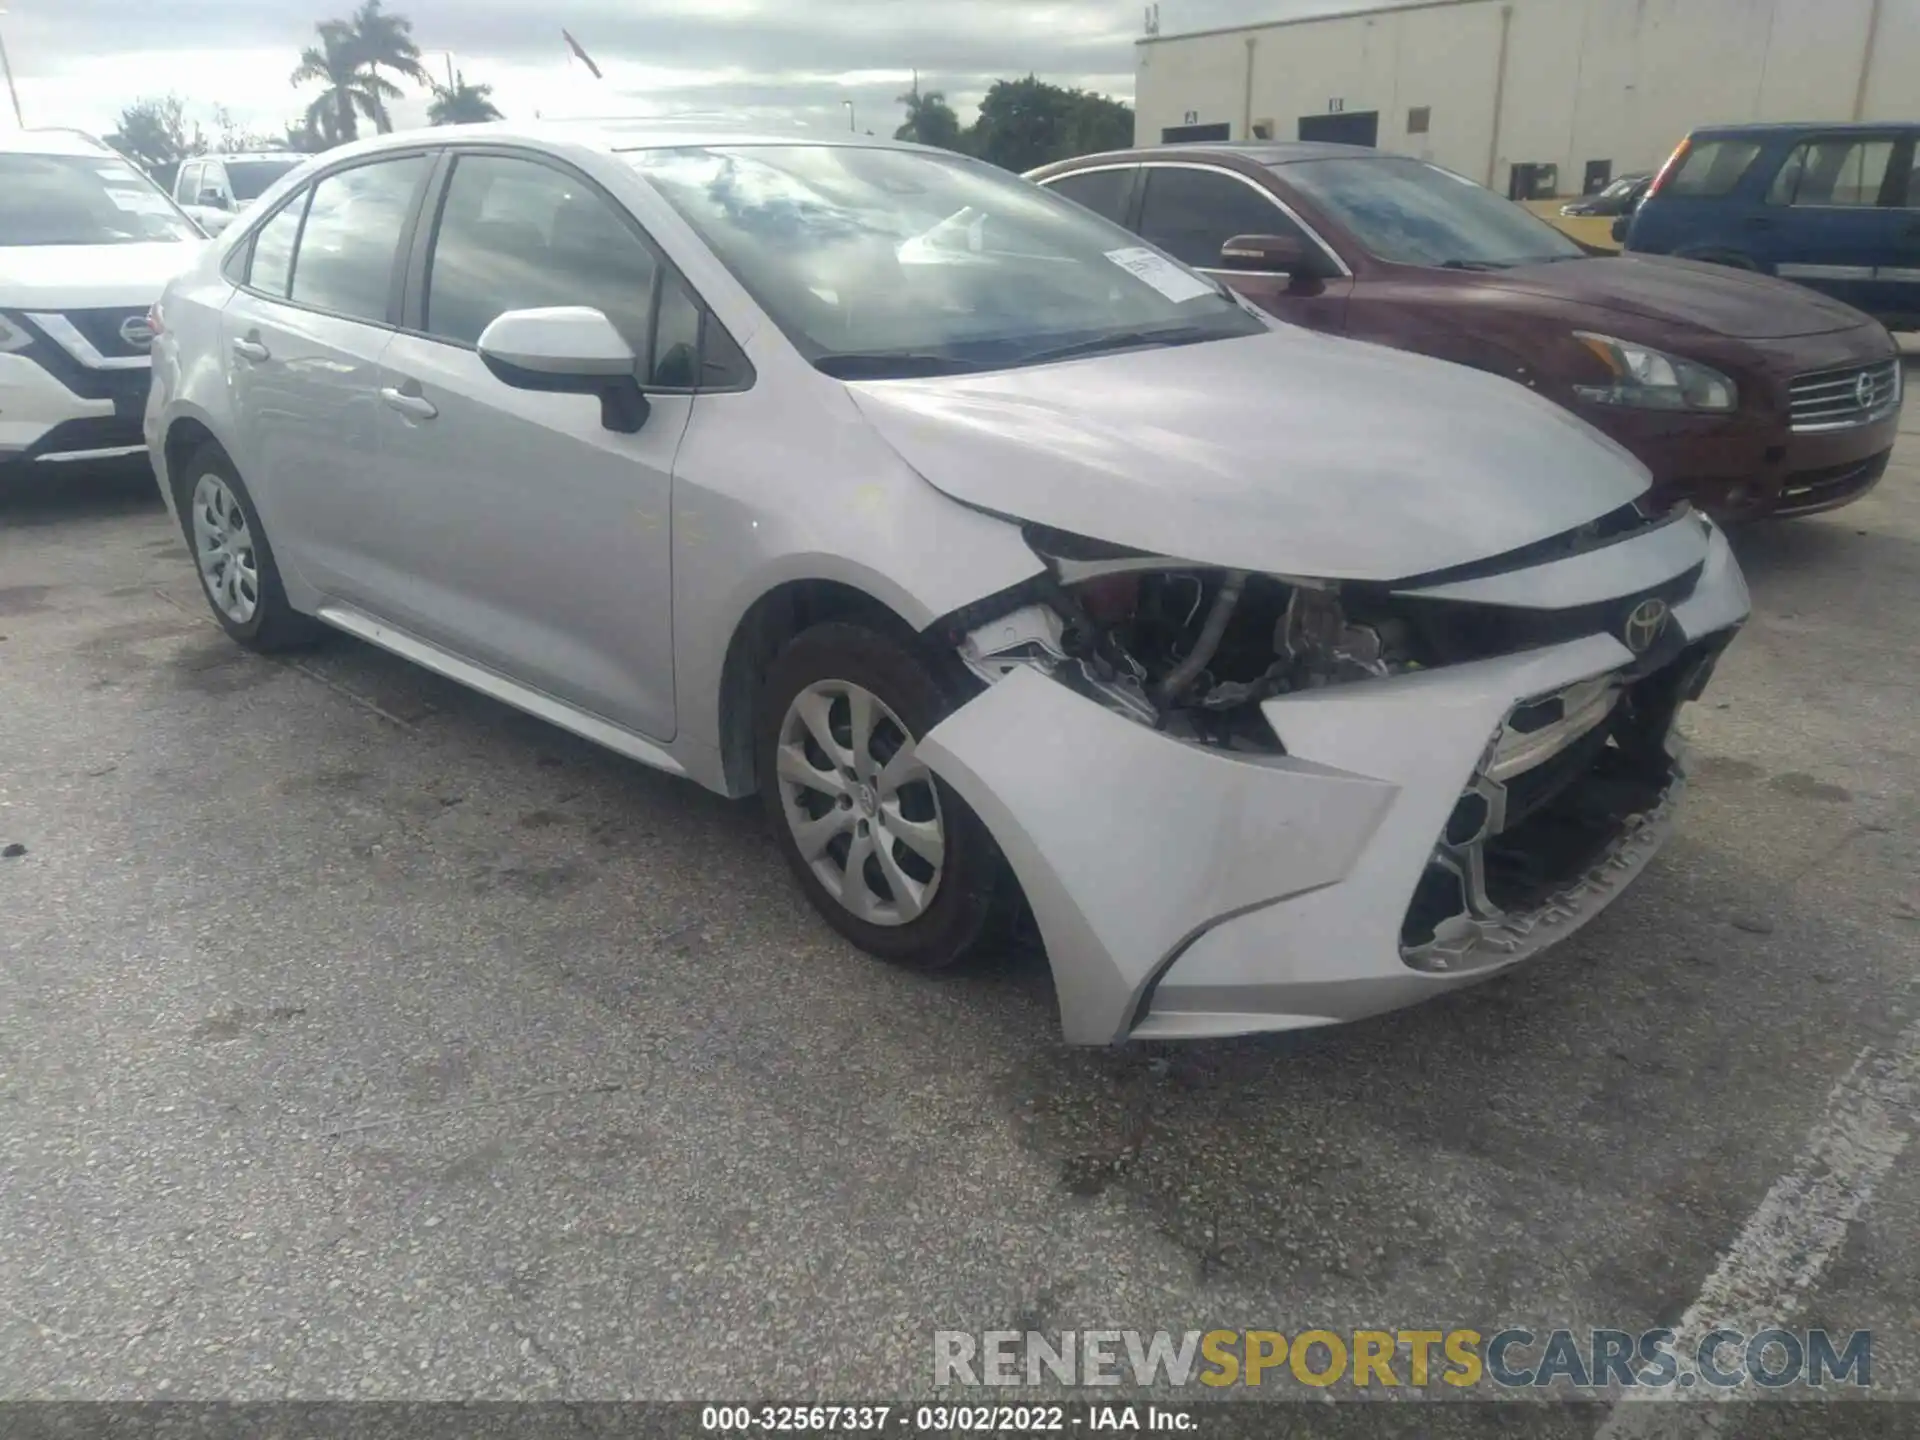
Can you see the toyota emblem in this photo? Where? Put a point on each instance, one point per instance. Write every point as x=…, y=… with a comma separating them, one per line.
x=137, y=332
x=1644, y=625
x=1863, y=391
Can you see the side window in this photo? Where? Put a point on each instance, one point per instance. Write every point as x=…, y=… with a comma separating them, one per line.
x=272, y=264
x=186, y=189
x=676, y=338
x=1848, y=173
x=1713, y=167
x=1105, y=192
x=515, y=234
x=347, y=248
x=213, y=177
x=1191, y=214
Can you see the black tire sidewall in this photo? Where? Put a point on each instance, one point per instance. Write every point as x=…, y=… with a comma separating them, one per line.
x=274, y=622
x=971, y=890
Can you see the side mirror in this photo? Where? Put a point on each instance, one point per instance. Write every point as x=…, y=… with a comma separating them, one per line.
x=214, y=200
x=1287, y=255
x=568, y=350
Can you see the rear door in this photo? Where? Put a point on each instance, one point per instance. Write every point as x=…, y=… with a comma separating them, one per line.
x=1191, y=211
x=1835, y=219
x=319, y=290
x=511, y=526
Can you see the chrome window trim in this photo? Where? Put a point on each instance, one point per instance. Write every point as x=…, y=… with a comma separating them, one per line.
x=1252, y=184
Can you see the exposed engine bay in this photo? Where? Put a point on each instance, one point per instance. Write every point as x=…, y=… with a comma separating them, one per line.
x=1189, y=650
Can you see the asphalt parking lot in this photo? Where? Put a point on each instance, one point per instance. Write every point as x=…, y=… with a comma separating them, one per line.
x=361, y=1037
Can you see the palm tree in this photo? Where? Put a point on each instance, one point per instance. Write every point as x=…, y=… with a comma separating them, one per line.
x=930, y=120
x=380, y=40
x=461, y=103
x=352, y=89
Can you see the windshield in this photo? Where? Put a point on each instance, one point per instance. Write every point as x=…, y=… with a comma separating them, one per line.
x=250, y=178
x=1407, y=212
x=83, y=200
x=880, y=262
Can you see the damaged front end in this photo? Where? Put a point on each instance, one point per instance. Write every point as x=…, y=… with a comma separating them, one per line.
x=1189, y=650
x=1320, y=800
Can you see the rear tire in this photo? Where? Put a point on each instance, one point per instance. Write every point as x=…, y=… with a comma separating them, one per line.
x=885, y=850
x=231, y=555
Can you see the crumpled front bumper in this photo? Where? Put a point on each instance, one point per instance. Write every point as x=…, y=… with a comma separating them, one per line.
x=1185, y=892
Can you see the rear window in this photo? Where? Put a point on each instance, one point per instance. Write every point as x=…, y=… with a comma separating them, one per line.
x=1712, y=167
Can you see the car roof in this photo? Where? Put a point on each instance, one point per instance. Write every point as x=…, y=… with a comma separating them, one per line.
x=290, y=155
x=1794, y=127
x=622, y=133
x=51, y=142
x=1255, y=152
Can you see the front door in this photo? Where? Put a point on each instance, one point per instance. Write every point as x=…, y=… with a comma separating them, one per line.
x=1192, y=211
x=513, y=527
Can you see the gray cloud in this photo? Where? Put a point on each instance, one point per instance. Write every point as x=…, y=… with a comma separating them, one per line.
x=760, y=55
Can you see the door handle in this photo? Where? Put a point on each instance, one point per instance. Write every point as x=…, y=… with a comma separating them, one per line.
x=416, y=406
x=251, y=350
x=1758, y=222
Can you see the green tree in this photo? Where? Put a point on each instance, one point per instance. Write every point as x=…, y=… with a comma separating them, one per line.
x=154, y=134
x=1024, y=123
x=351, y=88
x=930, y=120
x=384, y=42
x=461, y=103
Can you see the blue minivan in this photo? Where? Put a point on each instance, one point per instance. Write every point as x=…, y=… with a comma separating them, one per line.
x=1834, y=207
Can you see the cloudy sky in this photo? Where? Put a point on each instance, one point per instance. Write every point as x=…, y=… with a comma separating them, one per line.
x=78, y=61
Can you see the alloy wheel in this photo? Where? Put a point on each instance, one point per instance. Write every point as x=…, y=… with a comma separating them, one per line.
x=223, y=549
x=859, y=804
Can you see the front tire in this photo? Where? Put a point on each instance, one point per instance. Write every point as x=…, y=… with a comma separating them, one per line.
x=886, y=851
x=231, y=555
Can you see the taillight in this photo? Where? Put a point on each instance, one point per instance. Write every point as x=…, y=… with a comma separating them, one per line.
x=1667, y=170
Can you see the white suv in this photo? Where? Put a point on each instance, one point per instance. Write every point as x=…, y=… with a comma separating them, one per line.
x=86, y=244
x=214, y=188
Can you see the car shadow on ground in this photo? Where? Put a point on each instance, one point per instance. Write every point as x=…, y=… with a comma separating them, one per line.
x=59, y=495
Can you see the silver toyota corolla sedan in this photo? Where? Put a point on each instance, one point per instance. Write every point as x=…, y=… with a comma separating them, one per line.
x=1285, y=679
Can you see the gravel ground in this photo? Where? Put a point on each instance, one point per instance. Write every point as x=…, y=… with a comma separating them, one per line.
x=361, y=1037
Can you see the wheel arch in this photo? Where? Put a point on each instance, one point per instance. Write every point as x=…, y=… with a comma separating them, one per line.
x=766, y=625
x=185, y=434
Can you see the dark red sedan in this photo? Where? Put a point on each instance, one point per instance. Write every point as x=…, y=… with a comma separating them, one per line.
x=1745, y=394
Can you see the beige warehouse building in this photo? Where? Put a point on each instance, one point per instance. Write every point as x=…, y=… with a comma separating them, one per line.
x=1534, y=97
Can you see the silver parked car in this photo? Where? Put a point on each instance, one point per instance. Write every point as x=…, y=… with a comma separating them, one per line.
x=1285, y=679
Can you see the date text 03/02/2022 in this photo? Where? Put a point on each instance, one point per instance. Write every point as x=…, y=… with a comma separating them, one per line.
x=944, y=1419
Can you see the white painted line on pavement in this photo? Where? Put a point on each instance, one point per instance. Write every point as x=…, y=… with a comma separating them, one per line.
x=1801, y=1224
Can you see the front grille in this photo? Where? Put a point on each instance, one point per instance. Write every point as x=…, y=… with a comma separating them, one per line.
x=1840, y=399
x=102, y=330
x=1522, y=855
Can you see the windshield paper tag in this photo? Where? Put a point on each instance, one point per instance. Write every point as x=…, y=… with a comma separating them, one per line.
x=1159, y=272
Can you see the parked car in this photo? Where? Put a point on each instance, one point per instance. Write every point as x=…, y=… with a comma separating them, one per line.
x=214, y=188
x=942, y=513
x=1741, y=393
x=86, y=243
x=1834, y=207
x=1619, y=198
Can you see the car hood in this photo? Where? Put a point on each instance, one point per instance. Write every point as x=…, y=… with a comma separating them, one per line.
x=84, y=277
x=1686, y=292
x=1287, y=452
